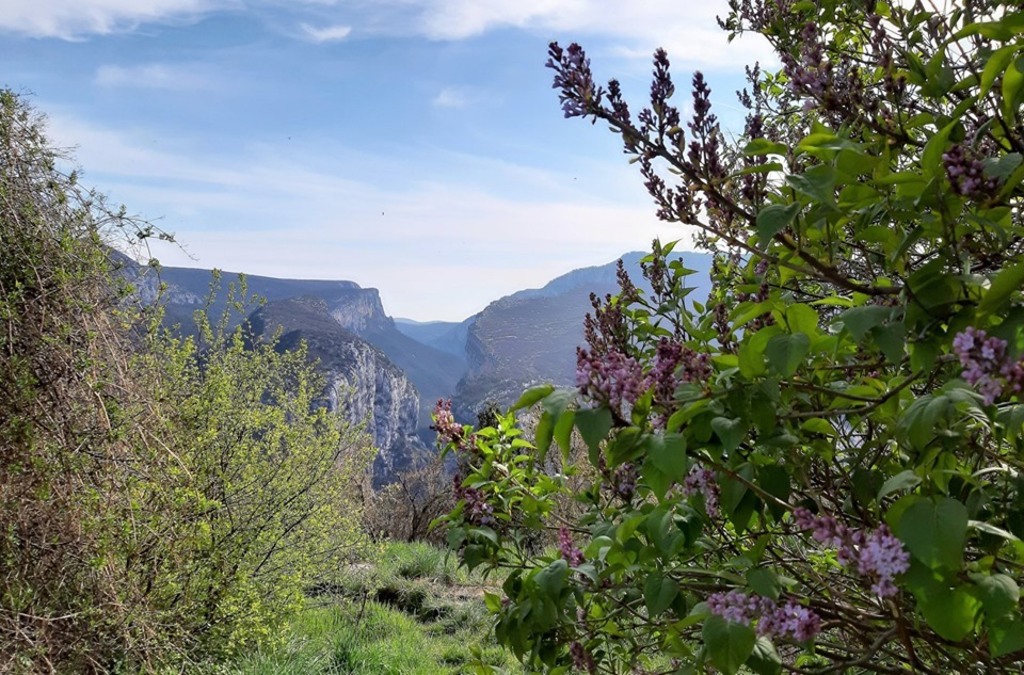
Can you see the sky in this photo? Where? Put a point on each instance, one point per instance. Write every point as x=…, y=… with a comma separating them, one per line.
x=414, y=146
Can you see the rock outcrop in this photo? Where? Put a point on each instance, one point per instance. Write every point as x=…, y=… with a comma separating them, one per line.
x=361, y=381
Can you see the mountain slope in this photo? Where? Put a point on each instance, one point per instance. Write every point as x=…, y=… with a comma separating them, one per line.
x=530, y=337
x=434, y=372
x=361, y=381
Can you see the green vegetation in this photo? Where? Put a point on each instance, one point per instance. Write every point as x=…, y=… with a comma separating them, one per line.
x=413, y=612
x=164, y=501
x=818, y=470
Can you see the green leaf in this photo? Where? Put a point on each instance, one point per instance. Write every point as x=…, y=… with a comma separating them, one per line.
x=1006, y=638
x=1004, y=167
x=939, y=76
x=1006, y=283
x=935, y=532
x=551, y=579
x=729, y=645
x=951, y=614
x=492, y=601
x=762, y=146
x=773, y=219
x=751, y=355
x=730, y=432
x=802, y=318
x=563, y=432
x=1013, y=87
x=999, y=593
x=774, y=480
x=901, y=481
x=786, y=352
x=531, y=396
x=764, y=660
x=655, y=479
x=668, y=453
x=659, y=593
x=892, y=340
x=594, y=425
x=931, y=157
x=817, y=182
x=543, y=435
x=764, y=582
x=860, y=320
x=920, y=420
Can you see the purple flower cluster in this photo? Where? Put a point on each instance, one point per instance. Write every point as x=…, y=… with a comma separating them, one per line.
x=790, y=620
x=579, y=96
x=810, y=75
x=882, y=556
x=611, y=378
x=581, y=658
x=624, y=481
x=876, y=554
x=703, y=480
x=673, y=362
x=987, y=368
x=568, y=549
x=478, y=511
x=445, y=425
x=966, y=174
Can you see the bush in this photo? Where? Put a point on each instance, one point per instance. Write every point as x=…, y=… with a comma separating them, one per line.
x=405, y=509
x=816, y=470
x=163, y=501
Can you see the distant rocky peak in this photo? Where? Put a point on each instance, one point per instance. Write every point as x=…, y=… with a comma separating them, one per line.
x=359, y=310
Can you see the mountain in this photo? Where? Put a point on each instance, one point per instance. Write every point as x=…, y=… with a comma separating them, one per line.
x=530, y=337
x=434, y=372
x=361, y=380
x=448, y=336
x=396, y=369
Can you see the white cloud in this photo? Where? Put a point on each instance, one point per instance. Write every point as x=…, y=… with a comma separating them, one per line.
x=325, y=33
x=153, y=76
x=71, y=19
x=451, y=97
x=687, y=29
x=309, y=212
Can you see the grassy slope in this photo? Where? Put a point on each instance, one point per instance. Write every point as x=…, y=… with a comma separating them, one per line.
x=412, y=613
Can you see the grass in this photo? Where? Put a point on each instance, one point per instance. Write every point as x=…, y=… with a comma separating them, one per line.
x=412, y=612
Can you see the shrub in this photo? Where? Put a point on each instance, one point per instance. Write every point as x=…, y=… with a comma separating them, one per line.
x=817, y=470
x=163, y=501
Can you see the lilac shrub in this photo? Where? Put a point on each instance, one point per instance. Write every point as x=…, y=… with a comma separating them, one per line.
x=817, y=467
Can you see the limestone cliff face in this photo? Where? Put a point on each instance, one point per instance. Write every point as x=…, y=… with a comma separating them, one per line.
x=370, y=389
x=343, y=306
x=361, y=381
x=359, y=310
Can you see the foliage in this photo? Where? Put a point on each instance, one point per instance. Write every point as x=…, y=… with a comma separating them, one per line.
x=404, y=509
x=163, y=501
x=818, y=469
x=263, y=487
x=409, y=611
x=65, y=460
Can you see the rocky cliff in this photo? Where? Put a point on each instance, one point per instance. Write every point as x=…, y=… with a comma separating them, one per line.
x=361, y=381
x=433, y=372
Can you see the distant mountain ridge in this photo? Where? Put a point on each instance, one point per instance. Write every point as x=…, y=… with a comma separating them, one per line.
x=397, y=368
x=530, y=337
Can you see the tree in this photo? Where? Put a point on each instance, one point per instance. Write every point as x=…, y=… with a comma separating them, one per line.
x=818, y=469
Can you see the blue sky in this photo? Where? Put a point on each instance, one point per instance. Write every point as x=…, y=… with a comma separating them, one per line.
x=415, y=146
